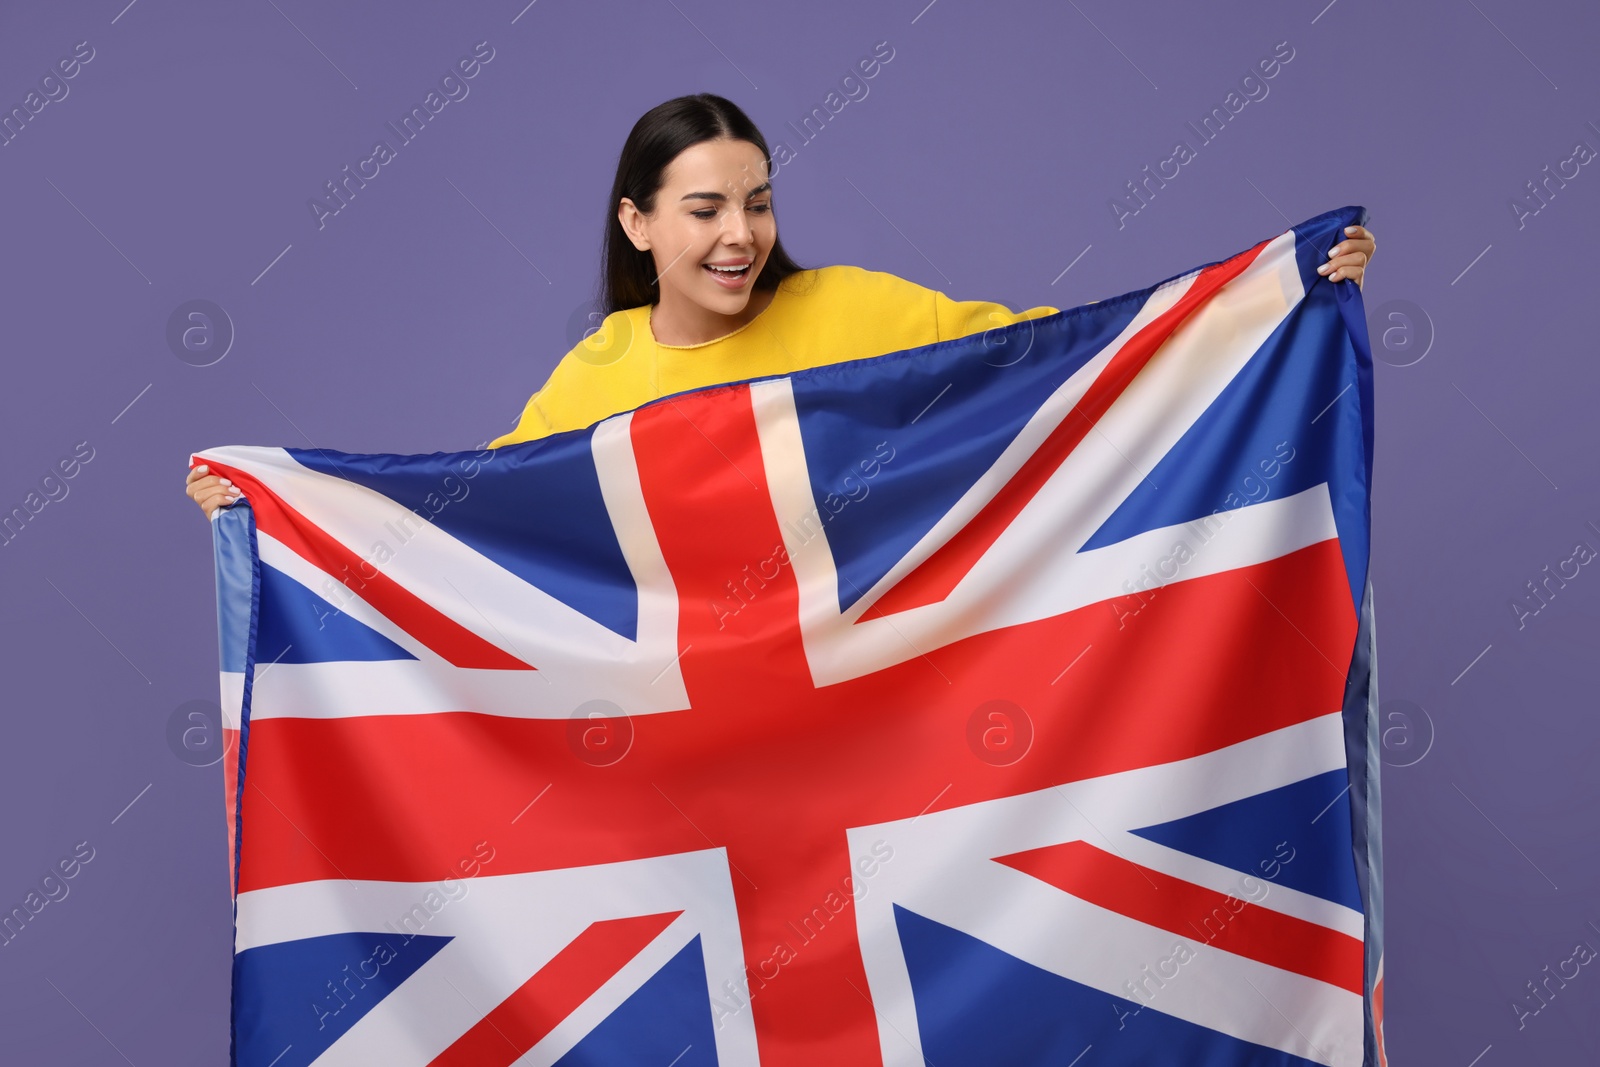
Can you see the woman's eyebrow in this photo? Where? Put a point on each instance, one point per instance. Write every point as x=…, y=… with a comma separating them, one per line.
x=720, y=197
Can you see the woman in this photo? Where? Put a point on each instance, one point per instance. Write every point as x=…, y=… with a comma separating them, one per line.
x=699, y=290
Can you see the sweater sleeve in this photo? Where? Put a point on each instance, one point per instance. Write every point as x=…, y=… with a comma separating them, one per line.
x=575, y=395
x=590, y=382
x=532, y=424
x=958, y=318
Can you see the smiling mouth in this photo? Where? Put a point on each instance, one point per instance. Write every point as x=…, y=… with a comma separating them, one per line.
x=728, y=273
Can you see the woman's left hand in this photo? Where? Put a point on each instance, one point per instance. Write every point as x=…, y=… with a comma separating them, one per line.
x=1349, y=258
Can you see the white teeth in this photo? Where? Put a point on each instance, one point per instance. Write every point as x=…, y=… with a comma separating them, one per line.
x=728, y=270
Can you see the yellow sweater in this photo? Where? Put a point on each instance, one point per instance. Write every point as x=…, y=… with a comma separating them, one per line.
x=820, y=316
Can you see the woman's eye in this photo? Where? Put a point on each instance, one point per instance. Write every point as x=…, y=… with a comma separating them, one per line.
x=711, y=213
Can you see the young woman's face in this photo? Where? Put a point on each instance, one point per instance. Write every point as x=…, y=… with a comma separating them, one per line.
x=714, y=209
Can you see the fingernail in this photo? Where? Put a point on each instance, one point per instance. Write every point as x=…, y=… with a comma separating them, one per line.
x=1324, y=268
x=1349, y=229
x=226, y=482
x=202, y=468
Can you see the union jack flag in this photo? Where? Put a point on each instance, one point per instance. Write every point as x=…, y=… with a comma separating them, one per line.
x=1006, y=700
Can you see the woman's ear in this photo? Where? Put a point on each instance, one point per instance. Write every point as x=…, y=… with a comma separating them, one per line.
x=632, y=221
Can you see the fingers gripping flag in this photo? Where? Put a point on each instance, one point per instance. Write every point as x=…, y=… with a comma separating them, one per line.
x=988, y=702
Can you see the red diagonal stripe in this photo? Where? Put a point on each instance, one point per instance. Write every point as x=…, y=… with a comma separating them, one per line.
x=933, y=579
x=554, y=992
x=452, y=641
x=1194, y=911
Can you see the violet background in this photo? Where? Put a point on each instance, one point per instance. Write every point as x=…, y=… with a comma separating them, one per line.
x=982, y=163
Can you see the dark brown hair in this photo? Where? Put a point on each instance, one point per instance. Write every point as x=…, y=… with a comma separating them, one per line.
x=628, y=273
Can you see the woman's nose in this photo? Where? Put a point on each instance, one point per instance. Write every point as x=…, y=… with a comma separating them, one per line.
x=736, y=227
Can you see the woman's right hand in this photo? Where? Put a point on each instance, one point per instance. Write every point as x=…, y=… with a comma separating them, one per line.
x=210, y=491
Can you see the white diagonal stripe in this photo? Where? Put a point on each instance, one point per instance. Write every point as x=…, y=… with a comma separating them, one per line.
x=504, y=929
x=943, y=869
x=578, y=659
x=1028, y=573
